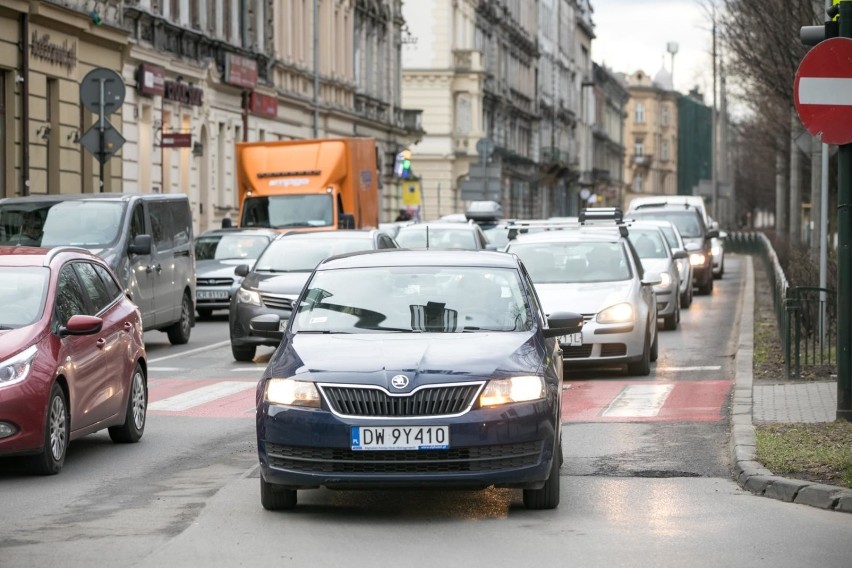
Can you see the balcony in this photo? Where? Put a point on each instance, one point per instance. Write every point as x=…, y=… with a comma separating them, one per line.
x=412, y=120
x=642, y=161
x=371, y=108
x=467, y=60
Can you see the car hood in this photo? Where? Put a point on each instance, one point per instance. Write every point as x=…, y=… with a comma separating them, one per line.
x=583, y=298
x=287, y=283
x=219, y=268
x=13, y=341
x=693, y=244
x=423, y=358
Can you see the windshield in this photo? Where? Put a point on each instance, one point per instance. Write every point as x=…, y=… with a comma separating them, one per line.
x=92, y=224
x=440, y=299
x=671, y=237
x=573, y=262
x=414, y=236
x=687, y=222
x=286, y=211
x=236, y=246
x=22, y=294
x=648, y=243
x=295, y=254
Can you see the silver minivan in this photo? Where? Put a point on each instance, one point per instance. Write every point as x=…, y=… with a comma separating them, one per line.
x=145, y=238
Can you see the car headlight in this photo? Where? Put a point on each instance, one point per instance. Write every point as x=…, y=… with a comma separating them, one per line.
x=17, y=368
x=619, y=313
x=246, y=296
x=716, y=251
x=289, y=392
x=696, y=259
x=514, y=389
x=665, y=280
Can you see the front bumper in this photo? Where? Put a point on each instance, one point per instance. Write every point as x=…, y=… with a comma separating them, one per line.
x=605, y=344
x=666, y=302
x=509, y=446
x=23, y=406
x=239, y=322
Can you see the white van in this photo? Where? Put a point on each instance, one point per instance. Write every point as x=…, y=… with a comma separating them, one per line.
x=645, y=201
x=145, y=238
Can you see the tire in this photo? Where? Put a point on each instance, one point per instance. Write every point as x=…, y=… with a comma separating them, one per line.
x=56, y=434
x=137, y=409
x=204, y=313
x=243, y=353
x=548, y=496
x=706, y=288
x=274, y=498
x=642, y=367
x=686, y=298
x=670, y=322
x=180, y=330
x=655, y=348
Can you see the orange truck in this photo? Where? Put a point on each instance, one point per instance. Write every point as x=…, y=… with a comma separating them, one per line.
x=308, y=184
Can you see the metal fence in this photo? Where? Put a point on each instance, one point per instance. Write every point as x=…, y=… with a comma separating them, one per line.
x=806, y=315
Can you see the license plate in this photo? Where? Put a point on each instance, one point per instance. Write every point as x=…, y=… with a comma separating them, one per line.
x=282, y=324
x=573, y=339
x=400, y=437
x=211, y=294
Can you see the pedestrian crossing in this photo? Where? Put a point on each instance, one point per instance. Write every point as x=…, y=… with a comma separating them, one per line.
x=582, y=401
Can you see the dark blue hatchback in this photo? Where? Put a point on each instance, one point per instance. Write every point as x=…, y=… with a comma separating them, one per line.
x=412, y=369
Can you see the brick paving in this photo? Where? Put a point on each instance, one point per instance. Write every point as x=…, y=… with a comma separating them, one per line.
x=795, y=402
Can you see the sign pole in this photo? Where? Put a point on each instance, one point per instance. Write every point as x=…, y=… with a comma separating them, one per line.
x=844, y=260
x=101, y=129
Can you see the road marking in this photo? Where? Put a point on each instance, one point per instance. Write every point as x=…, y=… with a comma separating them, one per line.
x=638, y=401
x=164, y=369
x=825, y=91
x=705, y=368
x=185, y=353
x=200, y=396
x=249, y=370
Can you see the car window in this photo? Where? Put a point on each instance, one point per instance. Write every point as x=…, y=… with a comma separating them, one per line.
x=137, y=222
x=649, y=244
x=295, y=254
x=573, y=262
x=439, y=238
x=161, y=223
x=233, y=246
x=687, y=222
x=414, y=299
x=112, y=287
x=93, y=286
x=70, y=299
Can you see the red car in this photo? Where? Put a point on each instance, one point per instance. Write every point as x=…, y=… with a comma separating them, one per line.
x=72, y=359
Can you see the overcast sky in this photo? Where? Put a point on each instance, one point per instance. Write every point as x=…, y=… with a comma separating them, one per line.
x=633, y=35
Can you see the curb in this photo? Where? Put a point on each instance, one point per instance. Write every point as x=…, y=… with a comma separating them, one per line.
x=749, y=473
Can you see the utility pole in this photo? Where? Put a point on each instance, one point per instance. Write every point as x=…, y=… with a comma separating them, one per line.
x=844, y=258
x=316, y=68
x=714, y=182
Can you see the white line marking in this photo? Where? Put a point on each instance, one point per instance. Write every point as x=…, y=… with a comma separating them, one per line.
x=185, y=353
x=164, y=369
x=825, y=91
x=639, y=401
x=249, y=370
x=707, y=368
x=199, y=396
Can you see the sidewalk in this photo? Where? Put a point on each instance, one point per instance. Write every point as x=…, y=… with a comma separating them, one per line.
x=799, y=402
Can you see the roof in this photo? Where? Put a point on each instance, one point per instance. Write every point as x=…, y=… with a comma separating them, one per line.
x=577, y=234
x=440, y=225
x=332, y=234
x=38, y=256
x=91, y=196
x=435, y=257
x=239, y=230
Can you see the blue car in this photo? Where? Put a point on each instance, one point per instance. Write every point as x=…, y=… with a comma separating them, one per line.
x=406, y=368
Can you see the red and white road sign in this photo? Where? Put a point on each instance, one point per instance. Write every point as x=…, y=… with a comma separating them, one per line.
x=823, y=91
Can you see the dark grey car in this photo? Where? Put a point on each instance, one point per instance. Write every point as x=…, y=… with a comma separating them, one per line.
x=279, y=274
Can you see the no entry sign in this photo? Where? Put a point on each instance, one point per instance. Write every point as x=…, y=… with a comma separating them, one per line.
x=823, y=91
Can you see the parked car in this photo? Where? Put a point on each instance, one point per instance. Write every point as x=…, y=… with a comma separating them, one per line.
x=443, y=235
x=72, y=359
x=656, y=256
x=411, y=369
x=676, y=244
x=274, y=282
x=146, y=239
x=595, y=270
x=217, y=253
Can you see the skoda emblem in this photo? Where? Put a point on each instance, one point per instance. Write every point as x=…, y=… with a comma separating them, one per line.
x=399, y=381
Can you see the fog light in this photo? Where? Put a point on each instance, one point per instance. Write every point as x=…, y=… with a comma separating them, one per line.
x=7, y=429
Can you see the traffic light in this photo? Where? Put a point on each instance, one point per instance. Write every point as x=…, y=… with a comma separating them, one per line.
x=812, y=35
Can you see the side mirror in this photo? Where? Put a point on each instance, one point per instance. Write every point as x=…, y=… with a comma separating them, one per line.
x=723, y=234
x=242, y=270
x=712, y=234
x=268, y=325
x=81, y=325
x=563, y=323
x=679, y=254
x=492, y=246
x=141, y=245
x=652, y=279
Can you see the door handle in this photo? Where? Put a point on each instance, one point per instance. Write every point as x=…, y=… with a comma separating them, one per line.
x=101, y=343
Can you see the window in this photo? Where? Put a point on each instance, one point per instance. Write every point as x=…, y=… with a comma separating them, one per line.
x=137, y=223
x=640, y=113
x=664, y=150
x=69, y=296
x=637, y=183
x=639, y=148
x=161, y=225
x=665, y=115
x=94, y=286
x=112, y=287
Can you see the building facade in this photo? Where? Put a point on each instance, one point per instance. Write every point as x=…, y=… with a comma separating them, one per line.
x=651, y=135
x=695, y=144
x=608, y=132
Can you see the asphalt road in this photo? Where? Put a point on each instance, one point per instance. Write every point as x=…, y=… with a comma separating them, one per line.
x=651, y=488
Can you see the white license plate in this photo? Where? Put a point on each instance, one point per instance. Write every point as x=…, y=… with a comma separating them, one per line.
x=211, y=294
x=573, y=339
x=400, y=437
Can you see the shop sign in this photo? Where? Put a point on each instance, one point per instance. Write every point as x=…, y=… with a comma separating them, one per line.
x=151, y=80
x=263, y=105
x=240, y=71
x=44, y=48
x=183, y=93
x=176, y=140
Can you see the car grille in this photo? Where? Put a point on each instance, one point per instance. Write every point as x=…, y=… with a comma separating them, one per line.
x=214, y=281
x=440, y=400
x=334, y=460
x=276, y=302
x=613, y=350
x=577, y=352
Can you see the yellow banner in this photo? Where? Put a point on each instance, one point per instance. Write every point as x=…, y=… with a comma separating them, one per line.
x=411, y=193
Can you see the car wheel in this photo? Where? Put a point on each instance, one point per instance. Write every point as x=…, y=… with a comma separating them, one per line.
x=56, y=434
x=204, y=313
x=180, y=330
x=642, y=367
x=655, y=348
x=686, y=298
x=243, y=353
x=707, y=287
x=670, y=322
x=275, y=498
x=548, y=496
x=137, y=408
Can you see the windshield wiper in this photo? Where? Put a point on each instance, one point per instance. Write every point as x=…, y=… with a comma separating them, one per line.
x=5, y=327
x=475, y=328
x=322, y=331
x=287, y=225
